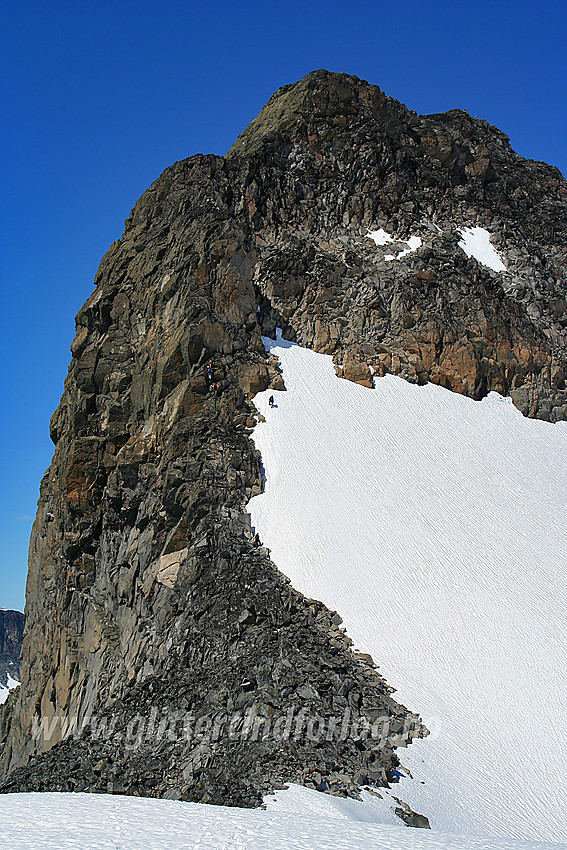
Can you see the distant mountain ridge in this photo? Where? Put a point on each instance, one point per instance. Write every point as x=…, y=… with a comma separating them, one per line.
x=11, y=633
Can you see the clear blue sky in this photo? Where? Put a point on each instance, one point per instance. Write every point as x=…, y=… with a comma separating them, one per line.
x=99, y=97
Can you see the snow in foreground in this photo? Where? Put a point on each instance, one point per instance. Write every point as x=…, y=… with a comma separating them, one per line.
x=295, y=819
x=435, y=525
x=5, y=689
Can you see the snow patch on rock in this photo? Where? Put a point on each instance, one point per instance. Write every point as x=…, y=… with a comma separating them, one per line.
x=381, y=237
x=475, y=242
x=5, y=689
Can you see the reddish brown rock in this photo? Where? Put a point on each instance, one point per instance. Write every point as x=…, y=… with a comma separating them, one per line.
x=354, y=369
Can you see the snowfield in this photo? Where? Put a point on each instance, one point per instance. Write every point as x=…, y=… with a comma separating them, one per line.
x=295, y=819
x=436, y=526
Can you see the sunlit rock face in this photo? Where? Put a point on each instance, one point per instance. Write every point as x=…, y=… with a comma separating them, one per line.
x=147, y=588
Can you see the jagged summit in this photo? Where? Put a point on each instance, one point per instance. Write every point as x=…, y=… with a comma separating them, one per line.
x=338, y=127
x=345, y=106
x=338, y=100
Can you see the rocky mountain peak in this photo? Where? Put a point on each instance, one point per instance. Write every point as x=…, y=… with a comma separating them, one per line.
x=339, y=216
x=321, y=101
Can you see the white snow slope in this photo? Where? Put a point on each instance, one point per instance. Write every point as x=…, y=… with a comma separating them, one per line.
x=296, y=819
x=436, y=526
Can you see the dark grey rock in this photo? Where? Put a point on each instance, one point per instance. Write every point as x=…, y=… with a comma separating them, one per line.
x=411, y=818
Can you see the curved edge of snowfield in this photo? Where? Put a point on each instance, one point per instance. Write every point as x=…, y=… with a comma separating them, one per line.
x=294, y=819
x=435, y=526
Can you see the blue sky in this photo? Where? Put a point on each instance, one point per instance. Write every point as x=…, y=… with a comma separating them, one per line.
x=97, y=98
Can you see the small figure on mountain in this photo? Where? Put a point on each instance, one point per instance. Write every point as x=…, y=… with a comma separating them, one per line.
x=271, y=401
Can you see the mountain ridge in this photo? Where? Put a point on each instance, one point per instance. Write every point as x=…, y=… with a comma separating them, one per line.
x=11, y=633
x=147, y=584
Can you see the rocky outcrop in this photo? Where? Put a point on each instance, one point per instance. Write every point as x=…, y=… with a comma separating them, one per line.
x=277, y=700
x=147, y=586
x=334, y=157
x=148, y=590
x=11, y=632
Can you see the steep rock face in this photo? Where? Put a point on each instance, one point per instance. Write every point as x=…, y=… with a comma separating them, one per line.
x=147, y=586
x=11, y=632
x=332, y=158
